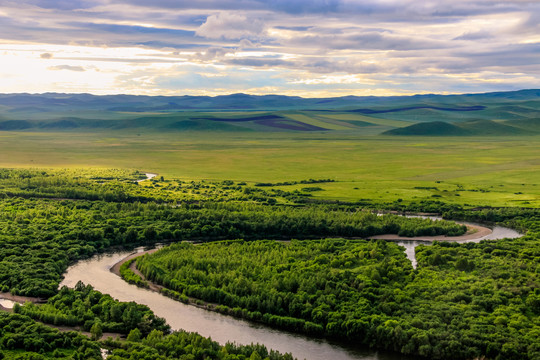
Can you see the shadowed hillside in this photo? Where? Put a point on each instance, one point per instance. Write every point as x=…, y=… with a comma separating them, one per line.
x=468, y=128
x=435, y=128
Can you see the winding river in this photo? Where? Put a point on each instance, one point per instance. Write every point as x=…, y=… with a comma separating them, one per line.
x=497, y=232
x=96, y=272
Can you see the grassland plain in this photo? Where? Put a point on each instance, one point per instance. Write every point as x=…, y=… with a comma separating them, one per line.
x=479, y=171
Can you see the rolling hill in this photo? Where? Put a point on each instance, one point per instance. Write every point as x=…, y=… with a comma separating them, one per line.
x=510, y=113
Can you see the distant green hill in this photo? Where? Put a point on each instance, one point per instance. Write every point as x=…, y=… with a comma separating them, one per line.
x=467, y=128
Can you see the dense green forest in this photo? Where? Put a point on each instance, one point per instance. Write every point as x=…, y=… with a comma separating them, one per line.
x=41, y=235
x=87, y=308
x=23, y=338
x=462, y=302
x=187, y=346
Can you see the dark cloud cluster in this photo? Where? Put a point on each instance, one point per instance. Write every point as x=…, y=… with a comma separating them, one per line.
x=367, y=41
x=285, y=6
x=67, y=67
x=62, y=4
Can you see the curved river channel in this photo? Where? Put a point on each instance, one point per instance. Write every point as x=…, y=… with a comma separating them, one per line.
x=498, y=232
x=96, y=272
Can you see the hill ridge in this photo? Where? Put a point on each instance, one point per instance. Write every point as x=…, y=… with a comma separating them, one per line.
x=367, y=115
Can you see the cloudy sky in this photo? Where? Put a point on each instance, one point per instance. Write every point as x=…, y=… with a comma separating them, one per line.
x=310, y=48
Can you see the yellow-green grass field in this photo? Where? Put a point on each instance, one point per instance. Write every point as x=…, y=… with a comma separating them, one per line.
x=478, y=171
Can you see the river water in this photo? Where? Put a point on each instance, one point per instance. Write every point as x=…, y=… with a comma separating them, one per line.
x=96, y=272
x=498, y=232
x=8, y=304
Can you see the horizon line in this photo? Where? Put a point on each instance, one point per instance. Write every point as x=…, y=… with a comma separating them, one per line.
x=274, y=94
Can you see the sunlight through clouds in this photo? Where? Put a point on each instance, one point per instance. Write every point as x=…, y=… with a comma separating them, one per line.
x=327, y=48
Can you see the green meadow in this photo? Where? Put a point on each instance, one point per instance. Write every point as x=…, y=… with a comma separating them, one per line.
x=478, y=171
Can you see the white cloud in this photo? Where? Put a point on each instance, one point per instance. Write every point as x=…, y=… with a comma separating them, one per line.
x=231, y=26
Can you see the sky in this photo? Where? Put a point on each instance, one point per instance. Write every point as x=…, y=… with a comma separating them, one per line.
x=309, y=48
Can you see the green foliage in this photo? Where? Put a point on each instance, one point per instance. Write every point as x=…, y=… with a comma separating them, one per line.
x=380, y=168
x=37, y=341
x=40, y=237
x=185, y=345
x=487, y=292
x=134, y=335
x=24, y=338
x=130, y=276
x=304, y=286
x=96, y=330
x=463, y=301
x=94, y=312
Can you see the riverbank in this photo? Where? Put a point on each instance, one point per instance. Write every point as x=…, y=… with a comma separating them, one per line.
x=63, y=328
x=474, y=232
x=96, y=271
x=152, y=286
x=115, y=269
x=104, y=336
x=21, y=299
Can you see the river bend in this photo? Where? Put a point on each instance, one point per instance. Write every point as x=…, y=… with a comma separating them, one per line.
x=221, y=328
